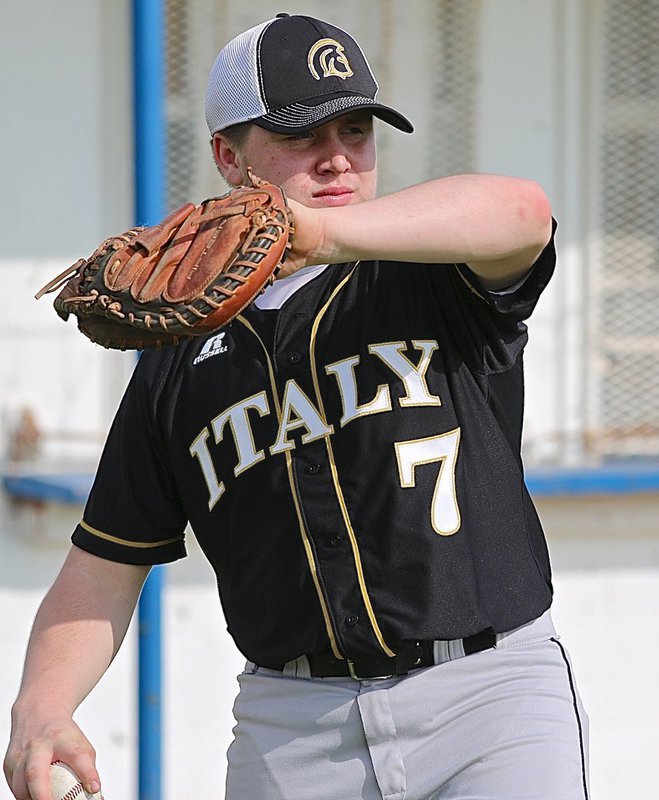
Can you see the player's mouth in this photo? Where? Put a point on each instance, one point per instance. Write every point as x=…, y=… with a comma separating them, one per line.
x=334, y=195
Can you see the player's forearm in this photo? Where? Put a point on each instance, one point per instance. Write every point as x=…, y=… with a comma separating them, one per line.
x=78, y=630
x=495, y=223
x=65, y=659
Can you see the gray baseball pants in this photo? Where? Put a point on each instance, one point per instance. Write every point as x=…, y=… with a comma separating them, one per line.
x=503, y=724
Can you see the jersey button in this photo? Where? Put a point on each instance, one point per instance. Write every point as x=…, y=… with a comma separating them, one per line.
x=335, y=541
x=351, y=619
x=313, y=469
x=294, y=358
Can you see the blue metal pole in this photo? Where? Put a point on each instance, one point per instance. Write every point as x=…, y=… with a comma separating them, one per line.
x=149, y=92
x=149, y=142
x=150, y=688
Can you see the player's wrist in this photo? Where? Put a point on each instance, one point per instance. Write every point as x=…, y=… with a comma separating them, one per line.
x=309, y=245
x=31, y=704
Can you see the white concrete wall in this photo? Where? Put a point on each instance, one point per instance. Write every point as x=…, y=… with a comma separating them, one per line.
x=605, y=552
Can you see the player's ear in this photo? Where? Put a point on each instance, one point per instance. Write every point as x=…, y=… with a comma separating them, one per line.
x=227, y=158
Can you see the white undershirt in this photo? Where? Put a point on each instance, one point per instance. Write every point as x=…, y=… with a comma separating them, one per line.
x=278, y=292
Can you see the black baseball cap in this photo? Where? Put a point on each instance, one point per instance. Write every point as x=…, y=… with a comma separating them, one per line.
x=291, y=74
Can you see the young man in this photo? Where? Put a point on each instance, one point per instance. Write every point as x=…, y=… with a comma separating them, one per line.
x=348, y=455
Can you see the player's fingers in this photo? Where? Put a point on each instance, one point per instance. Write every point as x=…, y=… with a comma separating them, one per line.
x=13, y=769
x=8, y=767
x=30, y=775
x=83, y=762
x=79, y=754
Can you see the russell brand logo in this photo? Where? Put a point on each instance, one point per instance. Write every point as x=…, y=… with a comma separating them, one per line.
x=213, y=347
x=327, y=58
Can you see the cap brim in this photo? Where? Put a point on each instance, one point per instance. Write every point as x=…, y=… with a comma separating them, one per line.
x=299, y=117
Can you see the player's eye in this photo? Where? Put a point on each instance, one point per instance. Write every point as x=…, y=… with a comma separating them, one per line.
x=359, y=128
x=299, y=137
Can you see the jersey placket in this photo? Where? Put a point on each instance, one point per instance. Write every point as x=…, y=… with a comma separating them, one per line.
x=325, y=515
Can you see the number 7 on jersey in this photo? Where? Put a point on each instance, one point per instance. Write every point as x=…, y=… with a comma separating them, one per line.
x=443, y=448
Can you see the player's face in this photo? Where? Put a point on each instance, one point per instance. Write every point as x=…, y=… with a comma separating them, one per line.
x=332, y=165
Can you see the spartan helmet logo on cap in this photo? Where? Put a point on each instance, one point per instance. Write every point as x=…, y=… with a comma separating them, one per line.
x=328, y=57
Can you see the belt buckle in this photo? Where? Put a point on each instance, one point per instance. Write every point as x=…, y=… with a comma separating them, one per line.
x=353, y=674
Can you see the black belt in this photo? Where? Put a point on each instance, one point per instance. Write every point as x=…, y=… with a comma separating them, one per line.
x=420, y=654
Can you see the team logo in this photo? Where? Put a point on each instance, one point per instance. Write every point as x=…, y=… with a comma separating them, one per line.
x=327, y=58
x=213, y=347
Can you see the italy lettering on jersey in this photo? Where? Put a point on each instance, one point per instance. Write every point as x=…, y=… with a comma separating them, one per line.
x=299, y=412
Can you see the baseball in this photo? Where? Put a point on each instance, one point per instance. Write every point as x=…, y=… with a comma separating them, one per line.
x=65, y=784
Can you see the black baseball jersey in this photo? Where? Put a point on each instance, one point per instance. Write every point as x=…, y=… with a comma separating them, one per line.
x=349, y=463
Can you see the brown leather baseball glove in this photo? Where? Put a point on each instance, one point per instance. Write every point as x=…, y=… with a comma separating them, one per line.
x=191, y=274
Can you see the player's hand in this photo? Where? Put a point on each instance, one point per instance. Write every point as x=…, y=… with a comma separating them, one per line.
x=37, y=740
x=308, y=239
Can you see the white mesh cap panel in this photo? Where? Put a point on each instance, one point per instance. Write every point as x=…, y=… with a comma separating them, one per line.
x=236, y=97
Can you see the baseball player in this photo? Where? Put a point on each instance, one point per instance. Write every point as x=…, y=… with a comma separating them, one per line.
x=347, y=453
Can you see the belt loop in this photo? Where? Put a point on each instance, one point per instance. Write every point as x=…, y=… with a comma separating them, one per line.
x=456, y=649
x=298, y=668
x=440, y=651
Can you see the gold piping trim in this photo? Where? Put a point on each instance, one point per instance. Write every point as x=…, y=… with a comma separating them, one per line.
x=117, y=540
x=335, y=474
x=472, y=288
x=303, y=534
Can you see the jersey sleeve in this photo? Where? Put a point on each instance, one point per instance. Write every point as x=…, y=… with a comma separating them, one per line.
x=489, y=328
x=517, y=303
x=133, y=514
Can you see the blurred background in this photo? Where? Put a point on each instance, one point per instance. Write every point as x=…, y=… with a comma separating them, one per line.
x=562, y=91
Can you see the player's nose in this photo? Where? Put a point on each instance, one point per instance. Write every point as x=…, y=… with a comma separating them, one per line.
x=334, y=162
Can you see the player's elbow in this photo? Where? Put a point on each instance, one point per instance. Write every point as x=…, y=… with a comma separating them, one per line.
x=535, y=214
